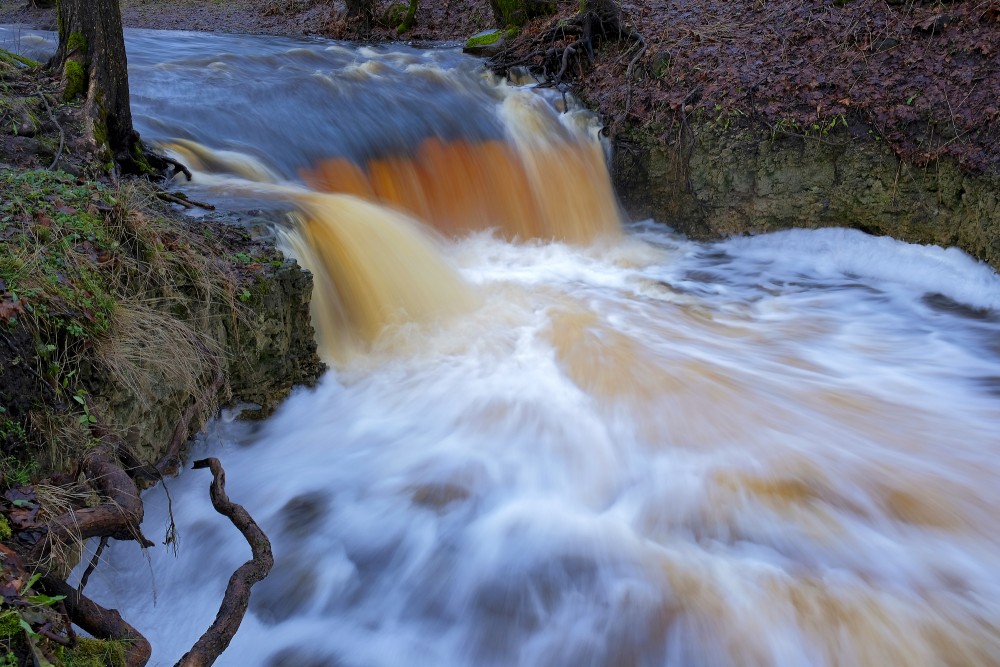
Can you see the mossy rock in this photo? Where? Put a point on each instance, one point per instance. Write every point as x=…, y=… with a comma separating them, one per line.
x=485, y=43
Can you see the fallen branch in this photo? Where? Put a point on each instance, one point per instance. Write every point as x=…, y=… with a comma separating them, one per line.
x=183, y=201
x=237, y=597
x=100, y=622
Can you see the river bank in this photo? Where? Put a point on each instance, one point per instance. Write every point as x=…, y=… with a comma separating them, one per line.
x=124, y=326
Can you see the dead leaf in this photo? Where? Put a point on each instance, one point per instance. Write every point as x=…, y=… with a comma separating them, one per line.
x=933, y=25
x=10, y=308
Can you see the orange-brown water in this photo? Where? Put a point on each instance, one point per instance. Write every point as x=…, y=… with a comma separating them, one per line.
x=554, y=192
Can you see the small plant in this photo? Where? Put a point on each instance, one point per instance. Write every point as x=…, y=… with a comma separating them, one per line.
x=81, y=397
x=15, y=472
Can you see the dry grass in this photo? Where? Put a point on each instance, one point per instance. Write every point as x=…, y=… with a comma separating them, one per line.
x=147, y=347
x=62, y=553
x=64, y=435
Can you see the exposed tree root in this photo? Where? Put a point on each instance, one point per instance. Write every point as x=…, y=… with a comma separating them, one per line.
x=569, y=45
x=237, y=596
x=100, y=622
x=565, y=42
x=165, y=164
x=119, y=516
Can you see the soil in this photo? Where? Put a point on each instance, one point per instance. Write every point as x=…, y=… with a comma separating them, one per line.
x=924, y=75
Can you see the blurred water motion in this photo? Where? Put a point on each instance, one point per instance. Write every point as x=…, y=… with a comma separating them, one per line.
x=547, y=442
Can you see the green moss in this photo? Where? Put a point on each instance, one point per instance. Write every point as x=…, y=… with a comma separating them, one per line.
x=57, y=275
x=10, y=624
x=399, y=16
x=517, y=12
x=483, y=39
x=74, y=80
x=141, y=161
x=95, y=653
x=5, y=531
x=409, y=18
x=76, y=42
x=15, y=59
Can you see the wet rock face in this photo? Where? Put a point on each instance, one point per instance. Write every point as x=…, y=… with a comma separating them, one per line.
x=267, y=348
x=276, y=348
x=719, y=182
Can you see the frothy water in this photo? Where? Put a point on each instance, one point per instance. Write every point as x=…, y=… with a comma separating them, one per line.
x=611, y=451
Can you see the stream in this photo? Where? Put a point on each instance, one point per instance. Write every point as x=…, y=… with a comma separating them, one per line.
x=551, y=437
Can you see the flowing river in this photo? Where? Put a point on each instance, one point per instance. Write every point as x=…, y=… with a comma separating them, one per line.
x=551, y=438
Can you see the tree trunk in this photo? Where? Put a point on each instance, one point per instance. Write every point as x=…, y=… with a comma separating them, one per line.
x=362, y=11
x=91, y=57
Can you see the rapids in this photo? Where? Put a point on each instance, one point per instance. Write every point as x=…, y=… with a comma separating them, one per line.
x=548, y=438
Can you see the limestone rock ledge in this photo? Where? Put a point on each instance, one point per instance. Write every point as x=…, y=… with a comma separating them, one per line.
x=714, y=181
x=267, y=346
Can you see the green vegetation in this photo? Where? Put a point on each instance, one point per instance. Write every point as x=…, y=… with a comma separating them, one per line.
x=104, y=284
x=95, y=653
x=74, y=80
x=486, y=38
x=17, y=60
x=55, y=243
x=517, y=12
x=400, y=16
x=76, y=43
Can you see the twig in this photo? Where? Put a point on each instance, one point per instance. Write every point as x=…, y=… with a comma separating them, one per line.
x=237, y=597
x=93, y=564
x=62, y=135
x=53, y=637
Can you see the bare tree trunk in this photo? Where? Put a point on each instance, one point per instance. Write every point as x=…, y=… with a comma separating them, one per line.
x=91, y=57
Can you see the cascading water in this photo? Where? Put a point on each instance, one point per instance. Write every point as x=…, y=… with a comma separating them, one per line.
x=544, y=441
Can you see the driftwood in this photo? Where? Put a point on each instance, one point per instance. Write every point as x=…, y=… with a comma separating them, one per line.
x=234, y=603
x=183, y=201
